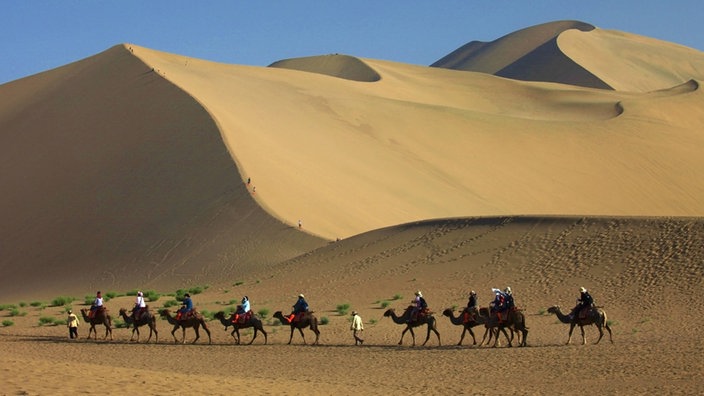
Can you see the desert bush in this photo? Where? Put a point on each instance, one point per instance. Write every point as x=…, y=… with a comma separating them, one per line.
x=263, y=313
x=324, y=320
x=7, y=323
x=385, y=304
x=151, y=295
x=46, y=320
x=397, y=297
x=7, y=307
x=372, y=321
x=61, y=301
x=238, y=283
x=15, y=312
x=342, y=308
x=36, y=303
x=23, y=304
x=120, y=324
x=171, y=303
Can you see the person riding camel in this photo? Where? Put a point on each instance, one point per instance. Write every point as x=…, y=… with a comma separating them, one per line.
x=585, y=301
x=186, y=307
x=499, y=304
x=472, y=307
x=510, y=305
x=419, y=306
x=97, y=304
x=300, y=307
x=139, y=306
x=242, y=310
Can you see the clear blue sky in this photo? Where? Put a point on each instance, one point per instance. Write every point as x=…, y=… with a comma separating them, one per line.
x=40, y=35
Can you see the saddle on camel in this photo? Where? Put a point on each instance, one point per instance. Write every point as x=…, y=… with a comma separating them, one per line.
x=241, y=318
x=95, y=310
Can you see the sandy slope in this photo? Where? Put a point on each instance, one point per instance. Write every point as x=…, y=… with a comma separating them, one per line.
x=638, y=269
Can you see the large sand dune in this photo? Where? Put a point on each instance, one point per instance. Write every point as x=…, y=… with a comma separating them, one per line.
x=139, y=169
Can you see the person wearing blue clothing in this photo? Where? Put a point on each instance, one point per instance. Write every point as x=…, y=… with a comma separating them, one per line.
x=186, y=307
x=242, y=309
x=299, y=307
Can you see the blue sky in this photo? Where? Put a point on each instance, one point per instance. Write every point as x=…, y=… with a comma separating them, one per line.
x=40, y=35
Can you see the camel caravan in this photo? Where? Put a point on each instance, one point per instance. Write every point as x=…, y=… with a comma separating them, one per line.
x=500, y=317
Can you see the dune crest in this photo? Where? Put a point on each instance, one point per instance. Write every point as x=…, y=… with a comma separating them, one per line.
x=341, y=66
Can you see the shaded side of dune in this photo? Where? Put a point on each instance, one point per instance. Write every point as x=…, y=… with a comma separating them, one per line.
x=115, y=179
x=530, y=54
x=341, y=66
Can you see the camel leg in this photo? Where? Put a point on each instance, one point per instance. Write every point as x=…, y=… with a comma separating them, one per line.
x=173, y=334
x=236, y=331
x=584, y=337
x=525, y=336
x=486, y=332
x=207, y=331
x=300, y=330
x=437, y=334
x=254, y=336
x=133, y=331
x=196, y=328
x=464, y=330
x=609, y=330
x=474, y=339
x=569, y=337
x=317, y=335
x=601, y=334
x=291, y=337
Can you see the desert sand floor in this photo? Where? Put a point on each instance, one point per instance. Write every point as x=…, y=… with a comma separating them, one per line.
x=647, y=273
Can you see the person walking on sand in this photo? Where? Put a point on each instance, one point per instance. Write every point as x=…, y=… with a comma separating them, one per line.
x=357, y=328
x=72, y=323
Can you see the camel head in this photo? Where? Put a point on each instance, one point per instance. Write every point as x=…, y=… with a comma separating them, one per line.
x=389, y=312
x=448, y=312
x=164, y=312
x=219, y=315
x=554, y=309
x=123, y=311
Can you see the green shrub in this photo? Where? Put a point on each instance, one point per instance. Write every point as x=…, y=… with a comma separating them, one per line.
x=7, y=323
x=171, y=303
x=238, y=283
x=36, y=303
x=120, y=324
x=397, y=297
x=263, y=313
x=342, y=308
x=7, y=306
x=23, y=304
x=61, y=301
x=324, y=320
x=151, y=295
x=46, y=320
x=14, y=312
x=385, y=304
x=372, y=321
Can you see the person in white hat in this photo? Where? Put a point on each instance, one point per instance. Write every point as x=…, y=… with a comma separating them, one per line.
x=299, y=307
x=357, y=327
x=419, y=306
x=585, y=301
x=139, y=306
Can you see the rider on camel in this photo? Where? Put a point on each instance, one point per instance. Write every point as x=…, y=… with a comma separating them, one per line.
x=139, y=305
x=186, y=307
x=242, y=309
x=472, y=307
x=299, y=307
x=97, y=304
x=585, y=301
x=419, y=305
x=510, y=305
x=499, y=303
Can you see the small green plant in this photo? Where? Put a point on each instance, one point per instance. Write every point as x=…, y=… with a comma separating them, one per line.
x=397, y=296
x=46, y=320
x=238, y=283
x=60, y=322
x=385, y=304
x=542, y=311
x=14, y=312
x=61, y=301
x=23, y=304
x=611, y=323
x=151, y=295
x=120, y=324
x=372, y=321
x=263, y=313
x=342, y=308
x=7, y=323
x=171, y=303
x=324, y=320
x=36, y=304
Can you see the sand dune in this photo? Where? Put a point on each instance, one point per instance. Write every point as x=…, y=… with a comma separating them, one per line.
x=342, y=66
x=577, y=53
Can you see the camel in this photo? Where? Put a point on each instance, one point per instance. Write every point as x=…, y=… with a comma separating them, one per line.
x=515, y=323
x=195, y=320
x=147, y=318
x=101, y=317
x=596, y=316
x=308, y=319
x=253, y=321
x=404, y=319
x=459, y=321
